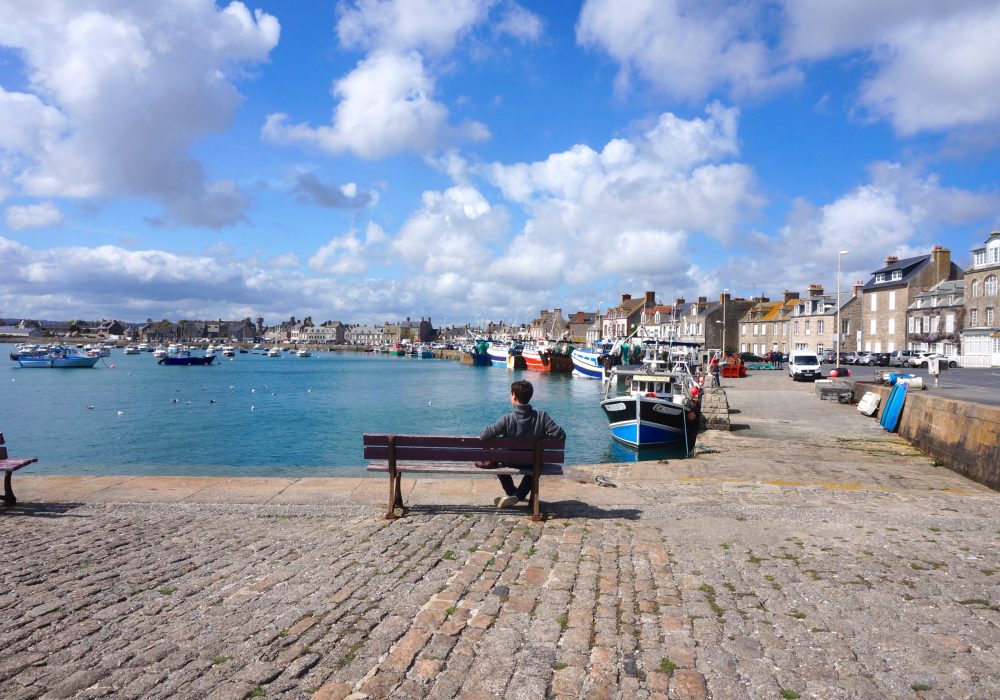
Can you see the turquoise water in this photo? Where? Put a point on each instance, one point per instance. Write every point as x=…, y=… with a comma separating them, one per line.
x=261, y=416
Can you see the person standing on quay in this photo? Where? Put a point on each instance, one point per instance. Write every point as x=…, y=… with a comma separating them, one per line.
x=522, y=422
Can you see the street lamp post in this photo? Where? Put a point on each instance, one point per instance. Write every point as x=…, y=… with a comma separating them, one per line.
x=836, y=339
x=725, y=295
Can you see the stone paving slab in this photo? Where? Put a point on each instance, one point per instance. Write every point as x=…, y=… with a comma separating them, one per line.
x=823, y=560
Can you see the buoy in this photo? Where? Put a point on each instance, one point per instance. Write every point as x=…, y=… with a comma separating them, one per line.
x=89, y=407
x=112, y=366
x=253, y=408
x=121, y=413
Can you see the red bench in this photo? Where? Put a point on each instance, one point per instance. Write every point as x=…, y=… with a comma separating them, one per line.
x=445, y=454
x=9, y=465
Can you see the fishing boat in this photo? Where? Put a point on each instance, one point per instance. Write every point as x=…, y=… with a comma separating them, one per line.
x=476, y=354
x=160, y=351
x=547, y=356
x=59, y=358
x=29, y=350
x=648, y=404
x=501, y=354
x=131, y=350
x=228, y=351
x=274, y=352
x=303, y=352
x=591, y=363
x=183, y=356
x=424, y=352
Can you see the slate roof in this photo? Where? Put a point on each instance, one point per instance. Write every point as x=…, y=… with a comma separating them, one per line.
x=908, y=266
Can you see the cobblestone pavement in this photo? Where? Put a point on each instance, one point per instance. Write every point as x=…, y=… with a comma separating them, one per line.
x=804, y=555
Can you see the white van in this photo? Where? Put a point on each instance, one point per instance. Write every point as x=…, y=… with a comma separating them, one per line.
x=804, y=364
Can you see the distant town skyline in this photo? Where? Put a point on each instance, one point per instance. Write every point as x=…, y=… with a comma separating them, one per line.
x=465, y=159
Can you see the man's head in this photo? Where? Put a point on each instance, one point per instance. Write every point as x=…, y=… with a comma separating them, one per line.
x=521, y=391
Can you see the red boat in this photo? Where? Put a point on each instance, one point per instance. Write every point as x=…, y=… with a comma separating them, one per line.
x=548, y=357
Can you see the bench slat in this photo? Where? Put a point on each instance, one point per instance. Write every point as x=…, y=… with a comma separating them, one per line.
x=15, y=463
x=444, y=454
x=372, y=439
x=459, y=468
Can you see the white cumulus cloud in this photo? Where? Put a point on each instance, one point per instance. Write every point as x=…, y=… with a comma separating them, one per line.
x=33, y=216
x=117, y=96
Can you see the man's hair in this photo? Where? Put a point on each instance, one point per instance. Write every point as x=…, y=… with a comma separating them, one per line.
x=522, y=390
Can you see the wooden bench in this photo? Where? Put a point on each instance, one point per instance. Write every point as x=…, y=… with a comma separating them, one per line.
x=9, y=465
x=444, y=454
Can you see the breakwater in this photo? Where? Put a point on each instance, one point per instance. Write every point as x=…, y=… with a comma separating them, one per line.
x=962, y=435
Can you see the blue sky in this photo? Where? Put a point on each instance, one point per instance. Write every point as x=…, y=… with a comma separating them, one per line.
x=368, y=160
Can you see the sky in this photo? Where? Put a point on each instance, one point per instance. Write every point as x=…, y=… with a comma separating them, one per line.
x=464, y=160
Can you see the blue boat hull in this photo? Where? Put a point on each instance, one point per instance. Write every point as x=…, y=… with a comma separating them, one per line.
x=641, y=422
x=587, y=363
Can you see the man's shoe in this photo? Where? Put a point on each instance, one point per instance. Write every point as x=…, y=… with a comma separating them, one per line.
x=507, y=501
x=496, y=501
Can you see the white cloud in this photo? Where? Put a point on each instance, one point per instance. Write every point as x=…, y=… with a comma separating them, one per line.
x=685, y=50
x=896, y=213
x=432, y=26
x=520, y=23
x=348, y=254
x=937, y=64
x=33, y=216
x=117, y=96
x=386, y=106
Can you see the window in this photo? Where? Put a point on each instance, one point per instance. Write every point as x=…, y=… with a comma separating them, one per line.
x=795, y=327
x=880, y=277
x=819, y=327
x=873, y=303
x=892, y=326
x=974, y=289
x=993, y=252
x=934, y=324
x=892, y=301
x=989, y=316
x=925, y=325
x=743, y=328
x=873, y=327
x=909, y=324
x=949, y=323
x=973, y=317
x=808, y=332
x=980, y=258
x=990, y=286
x=897, y=274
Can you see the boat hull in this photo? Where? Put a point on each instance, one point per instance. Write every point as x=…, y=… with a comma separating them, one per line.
x=57, y=362
x=547, y=361
x=639, y=421
x=587, y=363
x=187, y=361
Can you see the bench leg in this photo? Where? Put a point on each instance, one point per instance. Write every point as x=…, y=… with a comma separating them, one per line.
x=393, y=491
x=8, y=492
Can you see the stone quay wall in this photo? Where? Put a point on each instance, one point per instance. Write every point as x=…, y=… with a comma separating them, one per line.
x=965, y=436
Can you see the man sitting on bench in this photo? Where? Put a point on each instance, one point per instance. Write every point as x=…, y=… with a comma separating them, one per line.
x=522, y=422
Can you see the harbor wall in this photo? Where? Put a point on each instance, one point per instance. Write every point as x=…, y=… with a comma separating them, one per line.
x=964, y=436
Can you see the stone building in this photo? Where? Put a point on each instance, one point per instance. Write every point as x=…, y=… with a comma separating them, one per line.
x=981, y=335
x=935, y=318
x=887, y=296
x=621, y=320
x=765, y=327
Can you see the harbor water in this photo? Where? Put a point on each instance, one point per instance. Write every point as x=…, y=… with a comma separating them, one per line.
x=253, y=415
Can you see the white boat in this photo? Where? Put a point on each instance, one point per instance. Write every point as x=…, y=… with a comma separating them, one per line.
x=228, y=351
x=274, y=352
x=132, y=350
x=303, y=352
x=60, y=358
x=144, y=347
x=160, y=351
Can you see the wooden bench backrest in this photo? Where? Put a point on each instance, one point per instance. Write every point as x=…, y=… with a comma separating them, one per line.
x=444, y=448
x=3, y=448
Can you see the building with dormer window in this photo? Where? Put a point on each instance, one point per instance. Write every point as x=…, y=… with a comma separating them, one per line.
x=887, y=296
x=981, y=335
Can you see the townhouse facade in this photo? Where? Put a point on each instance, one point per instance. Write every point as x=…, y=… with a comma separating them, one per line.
x=935, y=318
x=623, y=319
x=980, y=338
x=887, y=296
x=766, y=325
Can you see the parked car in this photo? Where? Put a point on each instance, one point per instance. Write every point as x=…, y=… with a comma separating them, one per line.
x=828, y=357
x=922, y=359
x=865, y=358
x=804, y=364
x=850, y=358
x=882, y=359
x=901, y=358
x=751, y=357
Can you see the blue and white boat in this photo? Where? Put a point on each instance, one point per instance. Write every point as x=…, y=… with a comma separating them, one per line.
x=591, y=362
x=499, y=352
x=647, y=404
x=59, y=358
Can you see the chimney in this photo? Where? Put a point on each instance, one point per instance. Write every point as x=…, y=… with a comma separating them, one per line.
x=650, y=300
x=857, y=288
x=626, y=297
x=890, y=259
x=679, y=301
x=788, y=296
x=815, y=290
x=725, y=298
x=941, y=260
